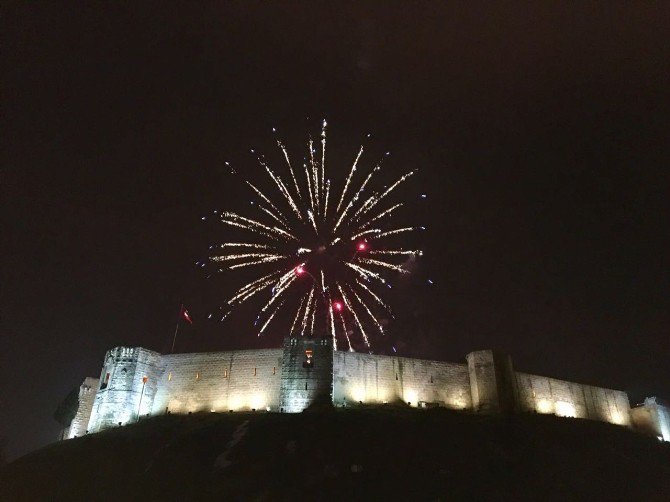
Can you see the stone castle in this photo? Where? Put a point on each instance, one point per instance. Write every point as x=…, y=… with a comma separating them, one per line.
x=136, y=382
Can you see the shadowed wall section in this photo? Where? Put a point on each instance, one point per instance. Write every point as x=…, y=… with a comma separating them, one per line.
x=307, y=373
x=87, y=392
x=492, y=382
x=652, y=418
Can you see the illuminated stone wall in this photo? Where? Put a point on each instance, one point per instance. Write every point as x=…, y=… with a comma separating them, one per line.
x=219, y=381
x=304, y=382
x=123, y=396
x=79, y=425
x=492, y=382
x=377, y=379
x=278, y=380
x=549, y=395
x=652, y=418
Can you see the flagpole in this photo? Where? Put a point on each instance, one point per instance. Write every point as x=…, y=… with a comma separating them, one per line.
x=174, y=338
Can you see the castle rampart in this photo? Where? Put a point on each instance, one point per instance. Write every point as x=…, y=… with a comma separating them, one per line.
x=137, y=382
x=370, y=378
x=219, y=381
x=549, y=395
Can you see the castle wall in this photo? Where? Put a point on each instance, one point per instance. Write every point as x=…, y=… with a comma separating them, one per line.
x=219, y=381
x=492, y=382
x=136, y=382
x=123, y=394
x=549, y=395
x=79, y=425
x=307, y=373
x=652, y=418
x=369, y=378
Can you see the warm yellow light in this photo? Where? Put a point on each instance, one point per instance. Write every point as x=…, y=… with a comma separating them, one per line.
x=234, y=403
x=544, y=406
x=565, y=409
x=458, y=402
x=412, y=397
x=257, y=401
x=617, y=418
x=358, y=393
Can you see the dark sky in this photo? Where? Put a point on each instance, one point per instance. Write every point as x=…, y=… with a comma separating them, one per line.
x=541, y=134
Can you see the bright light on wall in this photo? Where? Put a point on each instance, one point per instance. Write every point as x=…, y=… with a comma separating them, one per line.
x=565, y=409
x=234, y=403
x=358, y=393
x=617, y=418
x=257, y=401
x=544, y=406
x=412, y=397
x=458, y=402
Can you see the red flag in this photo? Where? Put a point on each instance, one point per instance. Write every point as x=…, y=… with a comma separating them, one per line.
x=185, y=315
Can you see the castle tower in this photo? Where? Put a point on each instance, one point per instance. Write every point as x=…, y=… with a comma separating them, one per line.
x=306, y=373
x=492, y=381
x=127, y=387
x=87, y=392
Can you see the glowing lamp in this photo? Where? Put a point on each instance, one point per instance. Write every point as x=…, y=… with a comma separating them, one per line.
x=362, y=246
x=338, y=306
x=299, y=270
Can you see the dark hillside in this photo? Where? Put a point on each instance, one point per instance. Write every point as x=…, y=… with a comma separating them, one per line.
x=347, y=454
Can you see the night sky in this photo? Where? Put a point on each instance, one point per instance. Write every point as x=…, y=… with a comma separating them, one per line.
x=541, y=134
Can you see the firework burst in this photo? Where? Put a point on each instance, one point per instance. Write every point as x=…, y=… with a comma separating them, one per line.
x=318, y=254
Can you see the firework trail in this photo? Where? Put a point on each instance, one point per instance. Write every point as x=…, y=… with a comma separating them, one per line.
x=319, y=250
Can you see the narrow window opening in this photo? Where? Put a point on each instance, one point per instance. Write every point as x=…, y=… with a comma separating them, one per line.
x=274, y=370
x=255, y=371
x=225, y=373
x=169, y=376
x=197, y=375
x=396, y=376
x=105, y=382
x=431, y=378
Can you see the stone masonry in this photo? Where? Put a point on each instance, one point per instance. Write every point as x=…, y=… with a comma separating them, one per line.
x=136, y=382
x=87, y=392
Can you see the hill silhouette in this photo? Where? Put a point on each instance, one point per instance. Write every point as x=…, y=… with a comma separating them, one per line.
x=361, y=453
